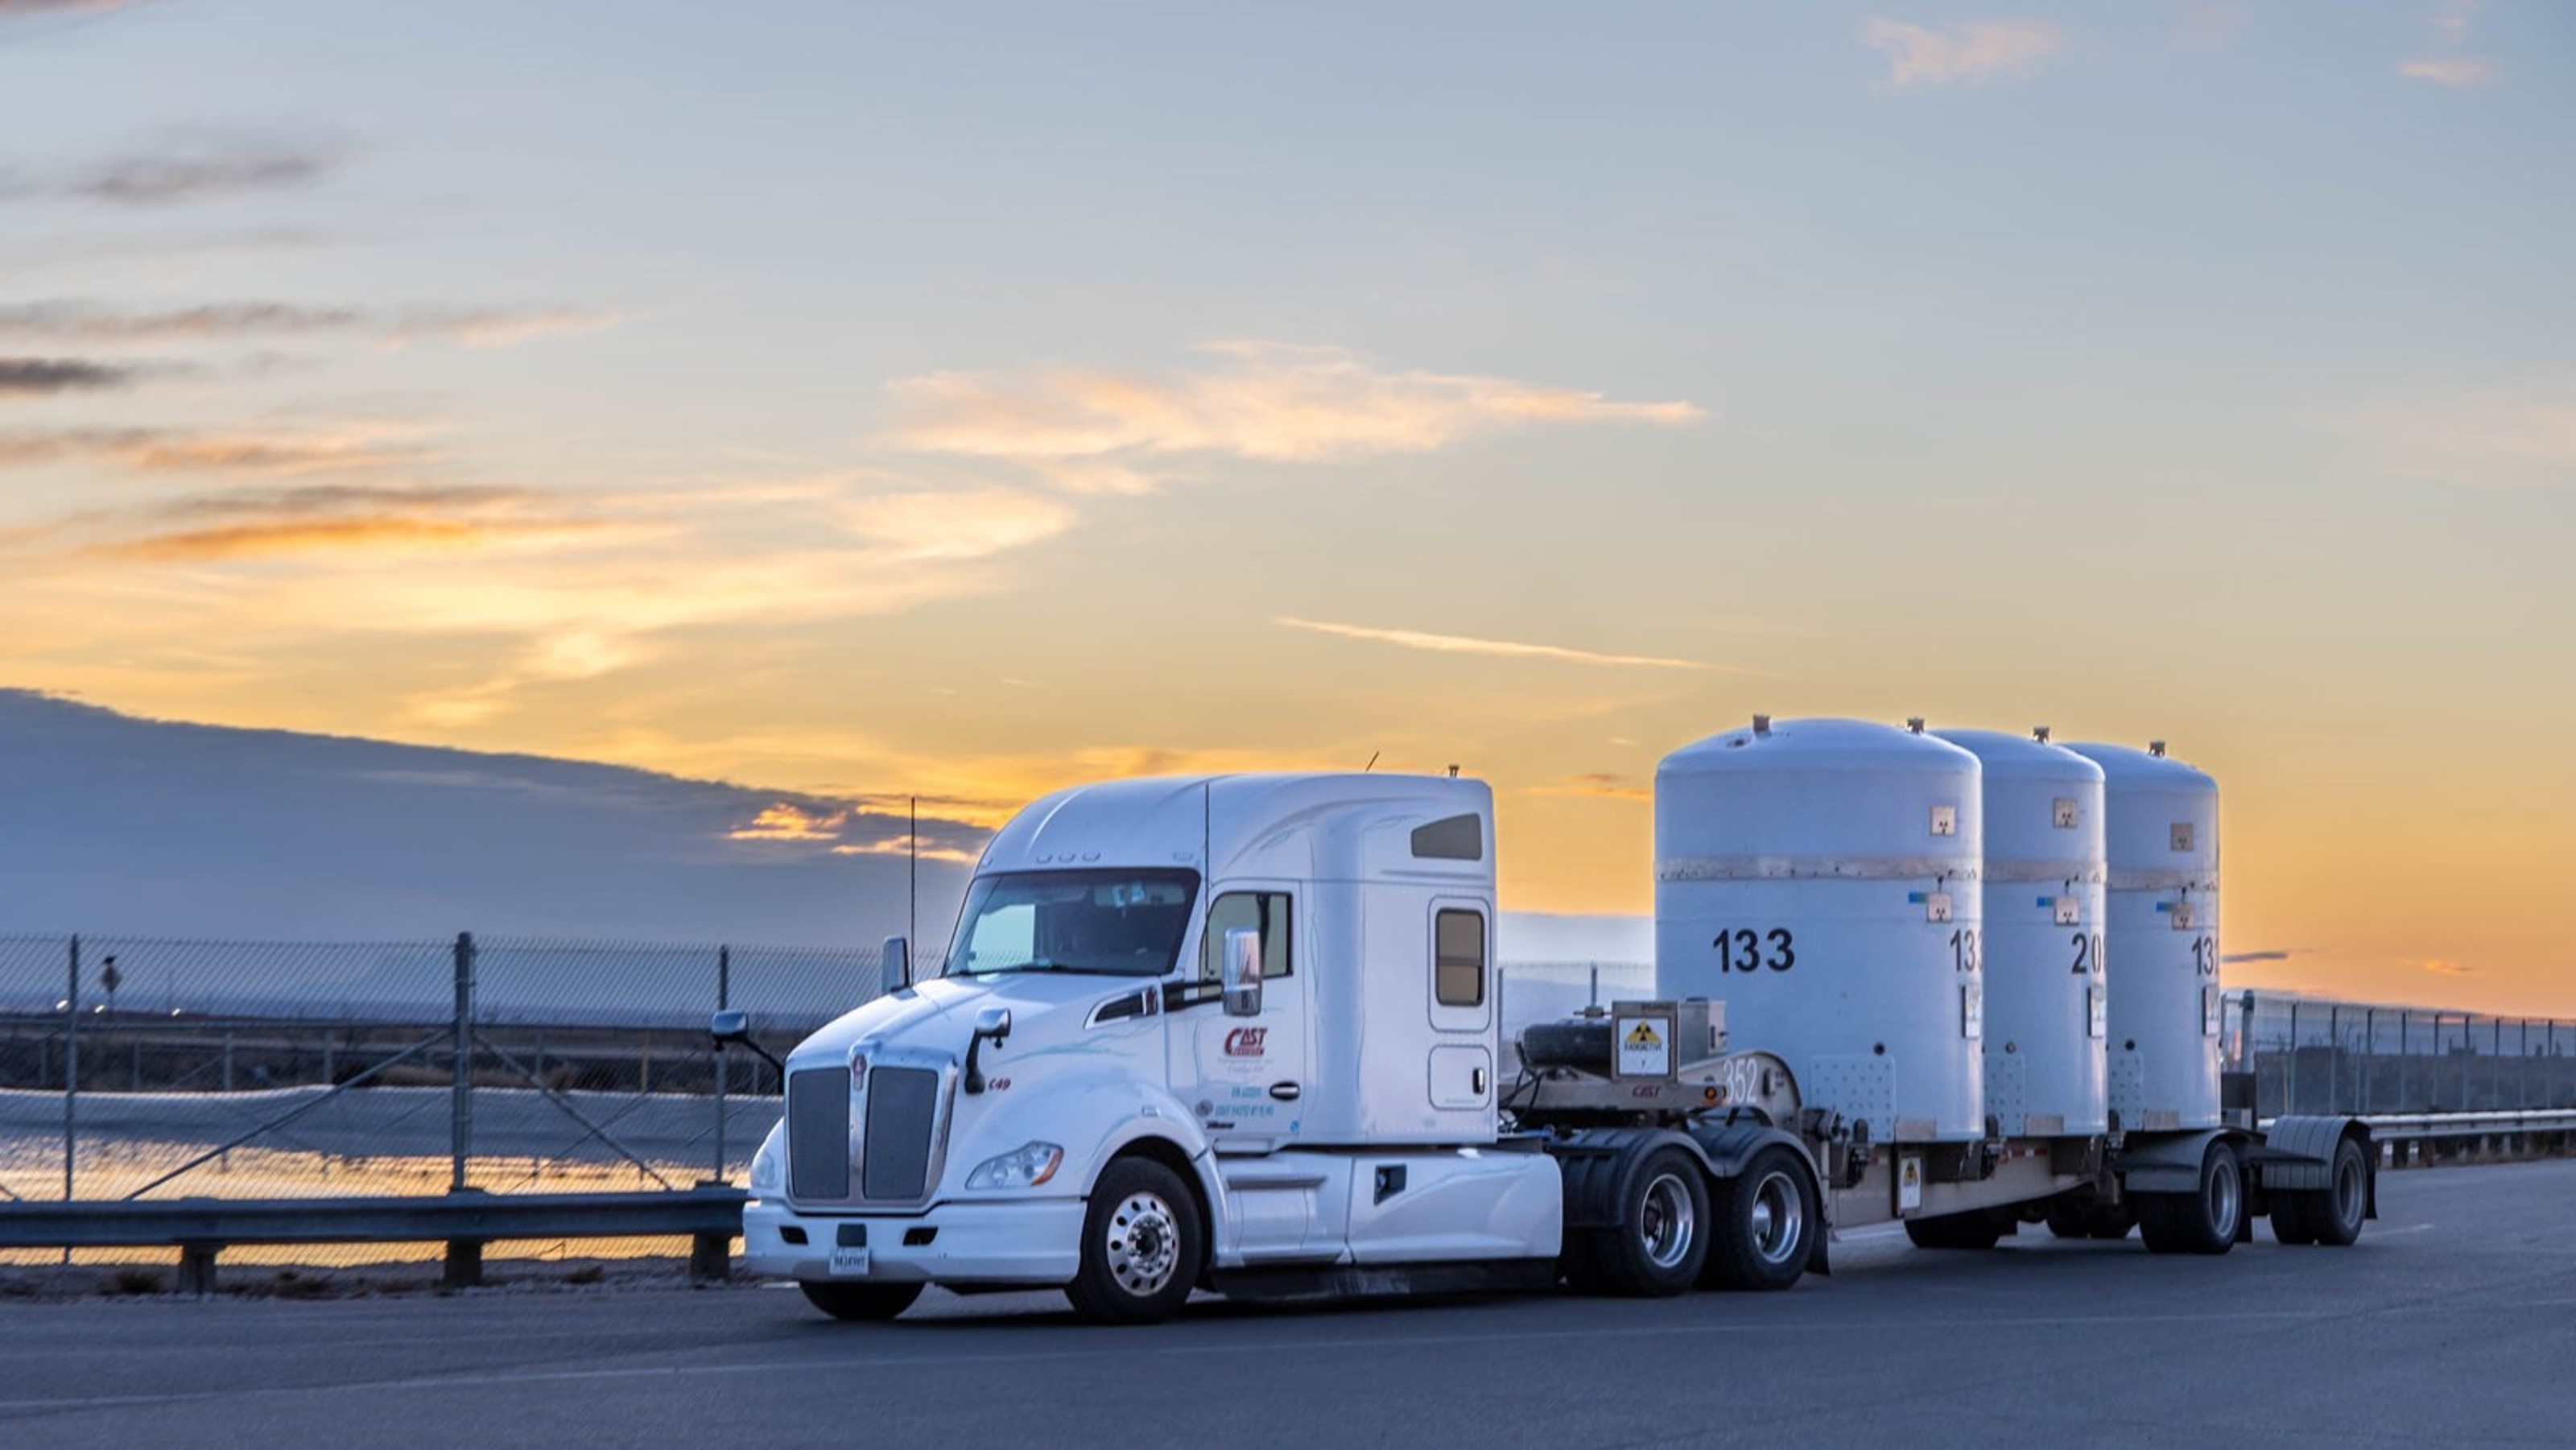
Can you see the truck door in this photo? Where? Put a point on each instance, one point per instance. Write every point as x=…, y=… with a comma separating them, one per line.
x=1246, y=1078
x=1461, y=1005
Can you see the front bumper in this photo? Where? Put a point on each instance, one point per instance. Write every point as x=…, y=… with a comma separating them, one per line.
x=1022, y=1241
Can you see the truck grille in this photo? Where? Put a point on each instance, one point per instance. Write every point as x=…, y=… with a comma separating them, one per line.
x=903, y=1109
x=818, y=1133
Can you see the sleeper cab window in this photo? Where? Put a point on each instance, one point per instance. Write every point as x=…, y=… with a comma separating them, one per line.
x=1264, y=911
x=1458, y=958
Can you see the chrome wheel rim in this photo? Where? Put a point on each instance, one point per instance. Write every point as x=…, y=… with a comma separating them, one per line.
x=1143, y=1243
x=1666, y=1224
x=1779, y=1217
x=2223, y=1195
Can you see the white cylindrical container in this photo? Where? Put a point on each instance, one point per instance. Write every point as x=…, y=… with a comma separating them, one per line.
x=1820, y=877
x=2044, y=934
x=2161, y=820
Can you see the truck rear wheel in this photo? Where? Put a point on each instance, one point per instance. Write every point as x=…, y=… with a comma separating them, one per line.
x=857, y=1302
x=1142, y=1245
x=1661, y=1242
x=2290, y=1217
x=2197, y=1223
x=2333, y=1214
x=1767, y=1219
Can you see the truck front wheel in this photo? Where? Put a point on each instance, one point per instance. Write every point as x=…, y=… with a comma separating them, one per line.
x=1767, y=1220
x=857, y=1302
x=1142, y=1245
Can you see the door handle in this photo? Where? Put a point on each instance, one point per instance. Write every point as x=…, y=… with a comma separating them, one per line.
x=1476, y=1081
x=1285, y=1092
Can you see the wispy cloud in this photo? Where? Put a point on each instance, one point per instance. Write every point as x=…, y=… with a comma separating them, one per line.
x=2444, y=967
x=2451, y=21
x=1604, y=784
x=1090, y=431
x=160, y=450
x=2519, y=437
x=9, y=8
x=59, y=375
x=197, y=169
x=2463, y=71
x=1966, y=54
x=1467, y=645
x=59, y=320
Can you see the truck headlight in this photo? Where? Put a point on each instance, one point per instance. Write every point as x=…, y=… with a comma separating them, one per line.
x=769, y=1165
x=1025, y=1166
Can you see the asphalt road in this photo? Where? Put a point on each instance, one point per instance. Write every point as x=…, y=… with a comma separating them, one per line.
x=2453, y=1322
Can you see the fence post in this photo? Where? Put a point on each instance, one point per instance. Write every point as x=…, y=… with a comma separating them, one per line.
x=723, y=1063
x=2404, y=1020
x=71, y=1073
x=2290, y=1078
x=460, y=1142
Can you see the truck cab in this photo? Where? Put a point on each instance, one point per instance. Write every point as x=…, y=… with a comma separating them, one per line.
x=1213, y=1031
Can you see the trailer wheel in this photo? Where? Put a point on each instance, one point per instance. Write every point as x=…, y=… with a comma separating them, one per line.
x=2333, y=1214
x=2112, y=1221
x=1661, y=1242
x=2197, y=1223
x=1976, y=1229
x=2070, y=1218
x=1767, y=1219
x=1142, y=1245
x=2290, y=1218
x=857, y=1302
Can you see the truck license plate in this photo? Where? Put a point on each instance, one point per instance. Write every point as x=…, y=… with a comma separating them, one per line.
x=847, y=1263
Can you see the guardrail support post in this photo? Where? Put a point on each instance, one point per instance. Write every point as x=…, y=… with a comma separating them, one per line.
x=71, y=1075
x=460, y=1144
x=464, y=1268
x=710, y=1258
x=197, y=1268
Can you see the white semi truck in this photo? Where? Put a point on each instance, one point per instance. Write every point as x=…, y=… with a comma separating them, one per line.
x=1240, y=1033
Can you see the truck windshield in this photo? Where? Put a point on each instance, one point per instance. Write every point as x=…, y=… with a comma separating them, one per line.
x=1100, y=923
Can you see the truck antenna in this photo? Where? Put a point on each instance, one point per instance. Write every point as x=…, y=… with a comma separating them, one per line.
x=912, y=879
x=1372, y=765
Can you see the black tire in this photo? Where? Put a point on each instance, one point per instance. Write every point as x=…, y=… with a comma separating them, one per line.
x=861, y=1302
x=1662, y=1240
x=1142, y=1245
x=1977, y=1229
x=2335, y=1213
x=1766, y=1219
x=2197, y=1223
x=2290, y=1218
x=2111, y=1221
x=2070, y=1218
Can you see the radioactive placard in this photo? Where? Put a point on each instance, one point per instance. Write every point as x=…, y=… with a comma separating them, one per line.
x=1643, y=1036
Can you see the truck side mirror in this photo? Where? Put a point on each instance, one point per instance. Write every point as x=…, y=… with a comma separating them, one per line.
x=1242, y=972
x=733, y=1026
x=895, y=959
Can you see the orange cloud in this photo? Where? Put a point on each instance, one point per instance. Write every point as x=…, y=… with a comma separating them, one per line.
x=1270, y=401
x=2461, y=72
x=1464, y=644
x=1969, y=53
x=323, y=535
x=788, y=822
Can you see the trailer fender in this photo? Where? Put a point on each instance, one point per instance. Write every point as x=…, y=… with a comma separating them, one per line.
x=2297, y=1154
x=2168, y=1162
x=1727, y=1147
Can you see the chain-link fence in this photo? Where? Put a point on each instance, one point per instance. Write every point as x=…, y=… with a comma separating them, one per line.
x=154, y=1068
x=2316, y=1055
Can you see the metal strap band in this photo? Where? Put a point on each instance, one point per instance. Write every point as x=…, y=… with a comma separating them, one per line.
x=2169, y=878
x=2080, y=872
x=1816, y=868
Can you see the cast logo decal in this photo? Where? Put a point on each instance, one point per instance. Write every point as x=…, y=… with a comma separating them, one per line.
x=1246, y=1041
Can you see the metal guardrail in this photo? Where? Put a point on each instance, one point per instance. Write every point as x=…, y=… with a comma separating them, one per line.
x=2407, y=1133
x=201, y=1228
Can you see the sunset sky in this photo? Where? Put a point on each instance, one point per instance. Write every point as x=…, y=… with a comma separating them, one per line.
x=962, y=401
